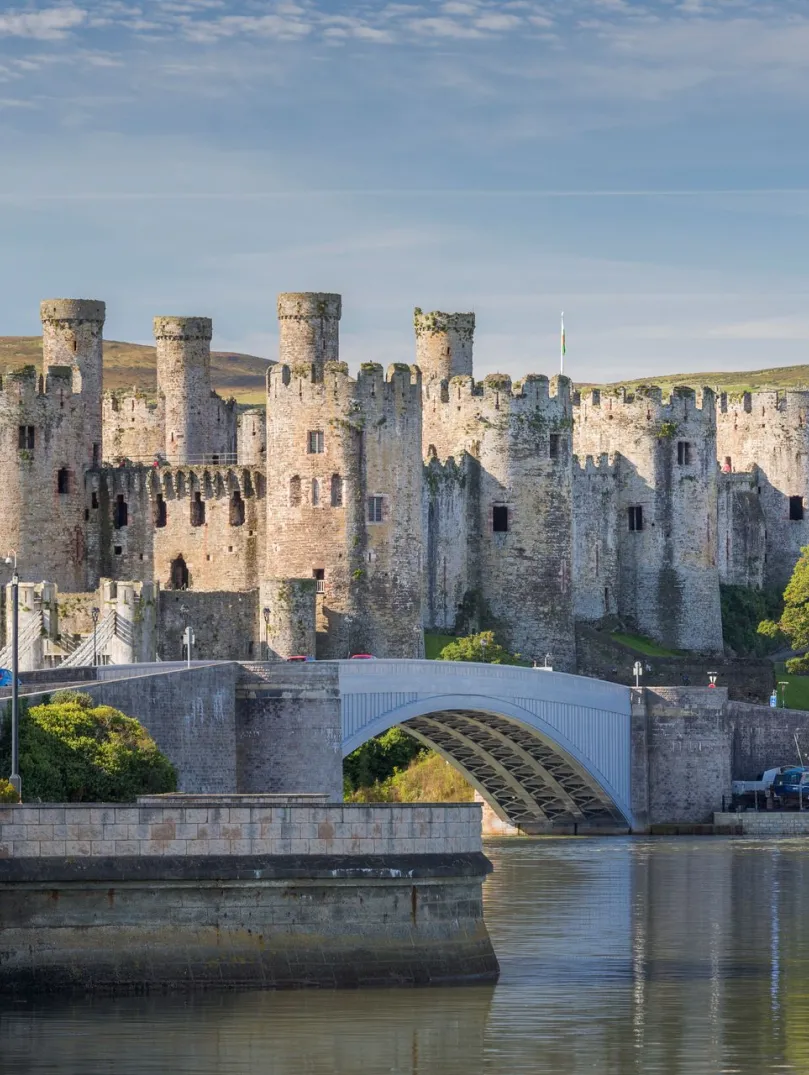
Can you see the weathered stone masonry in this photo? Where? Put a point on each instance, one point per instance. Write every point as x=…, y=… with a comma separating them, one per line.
x=378, y=505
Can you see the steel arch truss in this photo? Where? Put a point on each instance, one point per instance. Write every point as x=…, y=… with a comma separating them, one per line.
x=528, y=781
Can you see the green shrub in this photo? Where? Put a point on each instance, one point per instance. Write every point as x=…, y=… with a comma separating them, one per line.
x=7, y=792
x=72, y=751
x=482, y=647
x=378, y=759
x=743, y=610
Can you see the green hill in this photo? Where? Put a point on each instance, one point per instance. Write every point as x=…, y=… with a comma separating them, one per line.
x=132, y=364
x=733, y=383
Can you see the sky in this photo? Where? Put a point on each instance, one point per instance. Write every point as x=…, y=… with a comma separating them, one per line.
x=643, y=166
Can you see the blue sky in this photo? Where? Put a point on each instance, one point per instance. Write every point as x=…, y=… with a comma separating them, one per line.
x=641, y=165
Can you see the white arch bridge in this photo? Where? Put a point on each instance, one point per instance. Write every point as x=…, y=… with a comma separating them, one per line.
x=546, y=750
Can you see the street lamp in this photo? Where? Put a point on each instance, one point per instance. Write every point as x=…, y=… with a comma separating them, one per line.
x=637, y=672
x=95, y=613
x=14, y=779
x=265, y=612
x=188, y=642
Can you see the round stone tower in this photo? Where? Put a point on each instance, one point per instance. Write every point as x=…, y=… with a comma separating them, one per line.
x=184, y=381
x=309, y=328
x=288, y=608
x=72, y=336
x=344, y=487
x=444, y=344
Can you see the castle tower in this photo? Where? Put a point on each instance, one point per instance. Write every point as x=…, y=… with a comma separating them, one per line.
x=344, y=486
x=509, y=498
x=44, y=453
x=184, y=381
x=443, y=344
x=770, y=431
x=309, y=328
x=666, y=504
x=72, y=336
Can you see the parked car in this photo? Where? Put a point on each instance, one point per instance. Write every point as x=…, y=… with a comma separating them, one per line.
x=300, y=658
x=791, y=786
x=362, y=657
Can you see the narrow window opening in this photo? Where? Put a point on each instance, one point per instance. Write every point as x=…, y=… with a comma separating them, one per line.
x=796, y=508
x=635, y=515
x=63, y=481
x=500, y=519
x=96, y=454
x=94, y=500
x=375, y=509
x=336, y=491
x=606, y=598
x=87, y=515
x=319, y=575
x=159, y=512
x=315, y=492
x=236, y=509
x=197, y=510
x=315, y=443
x=554, y=445
x=684, y=453
x=121, y=512
x=294, y=492
x=26, y=438
x=75, y=351
x=118, y=549
x=179, y=574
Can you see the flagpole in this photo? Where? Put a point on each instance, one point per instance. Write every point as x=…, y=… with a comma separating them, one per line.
x=562, y=347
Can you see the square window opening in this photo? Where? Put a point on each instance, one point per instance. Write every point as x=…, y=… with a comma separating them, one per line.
x=635, y=517
x=375, y=509
x=315, y=442
x=685, y=454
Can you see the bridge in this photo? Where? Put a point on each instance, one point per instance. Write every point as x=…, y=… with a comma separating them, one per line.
x=544, y=749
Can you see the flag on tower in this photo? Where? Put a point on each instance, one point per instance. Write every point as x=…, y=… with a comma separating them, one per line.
x=562, y=350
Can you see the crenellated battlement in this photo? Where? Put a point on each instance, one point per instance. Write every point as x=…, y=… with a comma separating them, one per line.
x=26, y=385
x=763, y=403
x=183, y=328
x=179, y=482
x=498, y=390
x=648, y=398
x=599, y=466
x=373, y=387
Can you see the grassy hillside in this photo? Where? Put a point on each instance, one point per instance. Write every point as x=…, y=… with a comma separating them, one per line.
x=733, y=383
x=131, y=364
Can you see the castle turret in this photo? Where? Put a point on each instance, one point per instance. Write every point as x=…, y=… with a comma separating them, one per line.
x=344, y=497
x=666, y=503
x=510, y=495
x=72, y=336
x=309, y=328
x=444, y=344
x=184, y=381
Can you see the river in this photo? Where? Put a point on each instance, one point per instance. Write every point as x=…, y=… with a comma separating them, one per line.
x=670, y=956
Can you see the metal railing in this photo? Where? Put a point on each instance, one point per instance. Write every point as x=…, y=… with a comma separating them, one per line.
x=29, y=634
x=209, y=459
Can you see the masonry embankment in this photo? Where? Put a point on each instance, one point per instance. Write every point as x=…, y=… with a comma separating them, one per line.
x=208, y=894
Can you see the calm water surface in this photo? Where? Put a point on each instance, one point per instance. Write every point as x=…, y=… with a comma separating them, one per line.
x=682, y=956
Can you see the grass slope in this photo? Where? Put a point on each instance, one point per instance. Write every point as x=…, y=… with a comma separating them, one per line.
x=128, y=365
x=732, y=383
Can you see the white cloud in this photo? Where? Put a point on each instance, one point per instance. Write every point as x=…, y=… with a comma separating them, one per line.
x=50, y=24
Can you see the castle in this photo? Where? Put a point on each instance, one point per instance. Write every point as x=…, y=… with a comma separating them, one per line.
x=362, y=510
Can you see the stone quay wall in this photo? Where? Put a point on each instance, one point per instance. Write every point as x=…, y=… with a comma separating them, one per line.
x=763, y=823
x=131, y=899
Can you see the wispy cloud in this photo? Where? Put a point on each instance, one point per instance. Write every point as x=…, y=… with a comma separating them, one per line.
x=48, y=24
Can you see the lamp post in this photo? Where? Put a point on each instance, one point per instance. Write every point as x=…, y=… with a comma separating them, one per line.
x=548, y=661
x=265, y=612
x=188, y=641
x=95, y=613
x=483, y=644
x=14, y=778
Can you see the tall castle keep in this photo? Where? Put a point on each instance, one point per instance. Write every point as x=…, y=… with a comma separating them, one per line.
x=361, y=510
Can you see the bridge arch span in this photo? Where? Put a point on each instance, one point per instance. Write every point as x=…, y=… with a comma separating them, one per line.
x=546, y=750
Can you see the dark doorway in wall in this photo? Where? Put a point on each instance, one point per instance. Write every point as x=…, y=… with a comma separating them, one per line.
x=179, y=574
x=796, y=508
x=121, y=512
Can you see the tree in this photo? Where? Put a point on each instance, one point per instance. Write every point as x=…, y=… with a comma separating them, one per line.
x=482, y=647
x=379, y=758
x=794, y=622
x=74, y=751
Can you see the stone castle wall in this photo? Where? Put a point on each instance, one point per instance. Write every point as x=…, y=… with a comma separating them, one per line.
x=344, y=500
x=768, y=431
x=665, y=455
x=426, y=498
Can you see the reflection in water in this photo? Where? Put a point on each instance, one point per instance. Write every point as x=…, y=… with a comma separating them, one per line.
x=677, y=957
